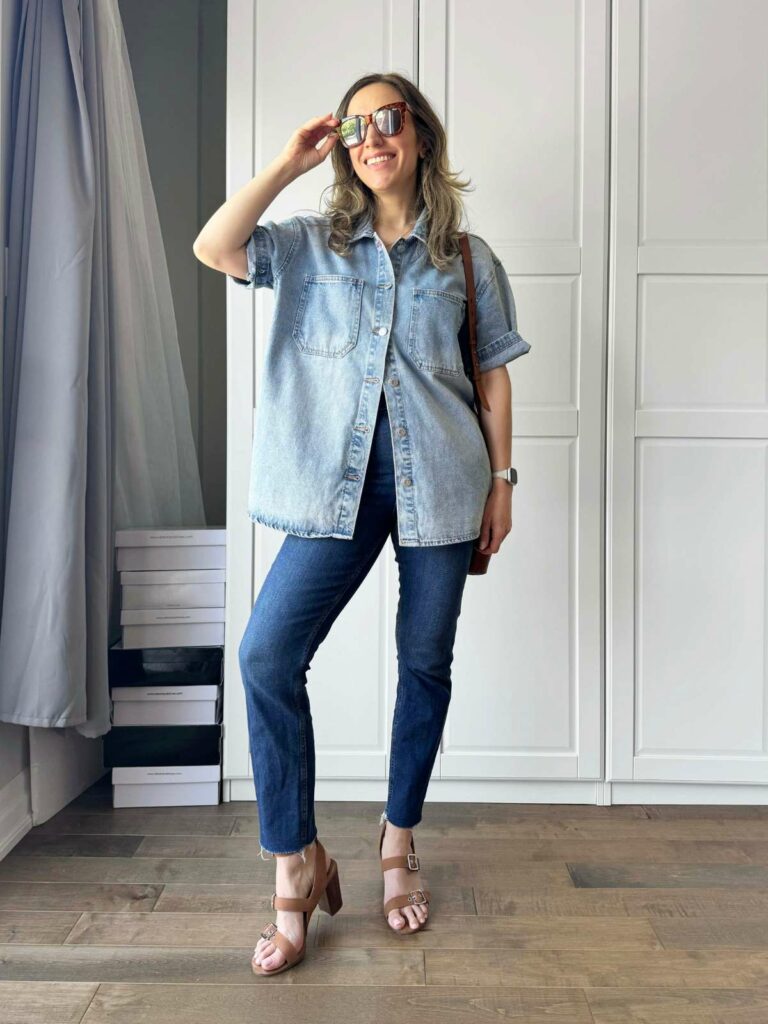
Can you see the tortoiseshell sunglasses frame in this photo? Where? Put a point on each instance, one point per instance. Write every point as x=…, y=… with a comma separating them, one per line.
x=368, y=118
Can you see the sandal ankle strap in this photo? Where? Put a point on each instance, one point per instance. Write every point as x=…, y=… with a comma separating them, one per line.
x=290, y=902
x=409, y=861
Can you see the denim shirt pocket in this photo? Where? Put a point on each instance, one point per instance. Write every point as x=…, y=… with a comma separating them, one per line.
x=327, y=321
x=433, y=334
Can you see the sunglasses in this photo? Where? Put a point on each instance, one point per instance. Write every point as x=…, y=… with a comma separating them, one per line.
x=389, y=120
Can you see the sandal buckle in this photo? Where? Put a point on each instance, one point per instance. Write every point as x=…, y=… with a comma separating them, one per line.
x=413, y=862
x=269, y=931
x=412, y=898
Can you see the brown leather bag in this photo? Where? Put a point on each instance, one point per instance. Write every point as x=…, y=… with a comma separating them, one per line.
x=468, y=344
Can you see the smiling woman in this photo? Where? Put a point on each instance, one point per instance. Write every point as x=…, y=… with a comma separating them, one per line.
x=381, y=148
x=365, y=430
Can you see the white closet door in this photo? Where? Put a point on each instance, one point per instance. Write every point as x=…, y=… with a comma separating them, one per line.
x=522, y=88
x=288, y=62
x=689, y=393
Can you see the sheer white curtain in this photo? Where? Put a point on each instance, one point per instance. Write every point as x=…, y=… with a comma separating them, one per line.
x=157, y=481
x=96, y=417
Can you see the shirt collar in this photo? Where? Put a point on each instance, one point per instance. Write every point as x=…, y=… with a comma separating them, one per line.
x=419, y=230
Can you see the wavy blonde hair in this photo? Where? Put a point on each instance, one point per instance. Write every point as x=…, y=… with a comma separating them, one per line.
x=438, y=188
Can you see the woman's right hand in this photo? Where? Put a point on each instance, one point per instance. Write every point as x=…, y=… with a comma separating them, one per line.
x=300, y=153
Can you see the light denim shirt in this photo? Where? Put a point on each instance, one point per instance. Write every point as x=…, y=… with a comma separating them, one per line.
x=343, y=329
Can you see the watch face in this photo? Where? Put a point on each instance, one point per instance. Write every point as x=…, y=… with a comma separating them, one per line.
x=509, y=474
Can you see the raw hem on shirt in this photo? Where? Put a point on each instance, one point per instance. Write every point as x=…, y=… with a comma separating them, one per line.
x=279, y=524
x=440, y=540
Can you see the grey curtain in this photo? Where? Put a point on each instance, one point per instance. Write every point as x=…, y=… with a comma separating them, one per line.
x=96, y=423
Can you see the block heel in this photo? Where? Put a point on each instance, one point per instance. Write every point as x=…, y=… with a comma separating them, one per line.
x=331, y=900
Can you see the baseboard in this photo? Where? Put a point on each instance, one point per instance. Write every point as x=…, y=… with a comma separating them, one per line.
x=15, y=811
x=531, y=791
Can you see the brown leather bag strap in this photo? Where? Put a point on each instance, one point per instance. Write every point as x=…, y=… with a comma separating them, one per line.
x=466, y=255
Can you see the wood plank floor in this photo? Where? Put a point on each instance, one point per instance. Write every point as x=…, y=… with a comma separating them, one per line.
x=540, y=913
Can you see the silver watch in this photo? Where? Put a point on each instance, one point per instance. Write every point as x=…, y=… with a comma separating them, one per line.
x=509, y=474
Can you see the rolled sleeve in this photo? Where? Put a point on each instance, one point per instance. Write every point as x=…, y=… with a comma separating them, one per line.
x=498, y=340
x=268, y=250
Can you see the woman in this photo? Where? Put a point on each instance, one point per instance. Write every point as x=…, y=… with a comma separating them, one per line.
x=364, y=430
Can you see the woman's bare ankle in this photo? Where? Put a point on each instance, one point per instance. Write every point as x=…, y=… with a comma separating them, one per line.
x=396, y=836
x=295, y=863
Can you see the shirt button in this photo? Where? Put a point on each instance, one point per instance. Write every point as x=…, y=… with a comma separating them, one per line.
x=401, y=431
x=407, y=481
x=394, y=381
x=381, y=330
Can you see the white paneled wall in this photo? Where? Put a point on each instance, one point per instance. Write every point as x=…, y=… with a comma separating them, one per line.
x=530, y=131
x=623, y=185
x=686, y=597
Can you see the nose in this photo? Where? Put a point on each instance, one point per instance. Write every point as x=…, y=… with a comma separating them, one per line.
x=376, y=137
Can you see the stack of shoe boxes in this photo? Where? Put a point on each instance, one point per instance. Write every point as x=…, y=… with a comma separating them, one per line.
x=172, y=584
x=166, y=673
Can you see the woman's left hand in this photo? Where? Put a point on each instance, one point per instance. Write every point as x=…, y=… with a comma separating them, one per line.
x=497, y=517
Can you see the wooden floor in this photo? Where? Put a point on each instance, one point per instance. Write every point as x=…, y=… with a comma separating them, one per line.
x=540, y=913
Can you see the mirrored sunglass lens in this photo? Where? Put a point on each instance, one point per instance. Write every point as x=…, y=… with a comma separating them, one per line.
x=388, y=121
x=350, y=131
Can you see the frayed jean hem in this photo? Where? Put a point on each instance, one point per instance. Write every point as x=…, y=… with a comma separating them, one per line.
x=384, y=818
x=284, y=853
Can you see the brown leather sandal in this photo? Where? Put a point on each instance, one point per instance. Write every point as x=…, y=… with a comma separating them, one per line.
x=325, y=893
x=409, y=899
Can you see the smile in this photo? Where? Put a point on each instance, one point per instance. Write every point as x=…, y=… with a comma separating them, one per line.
x=379, y=159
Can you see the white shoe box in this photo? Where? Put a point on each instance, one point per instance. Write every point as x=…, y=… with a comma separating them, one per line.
x=155, y=537
x=166, y=786
x=203, y=548
x=199, y=557
x=172, y=627
x=165, y=705
x=195, y=634
x=173, y=588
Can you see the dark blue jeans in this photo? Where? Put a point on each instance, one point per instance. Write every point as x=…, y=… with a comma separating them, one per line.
x=308, y=584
